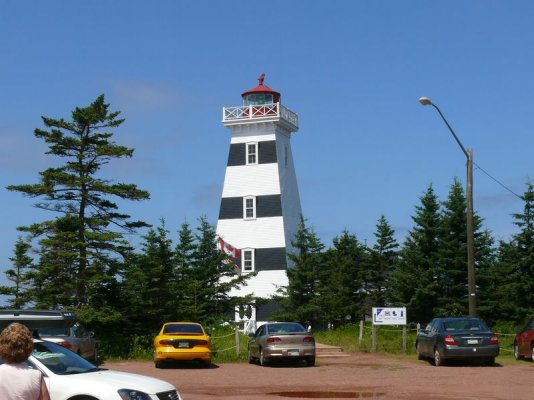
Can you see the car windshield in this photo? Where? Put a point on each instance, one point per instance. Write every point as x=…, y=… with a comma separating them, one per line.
x=61, y=332
x=182, y=329
x=465, y=325
x=286, y=328
x=60, y=360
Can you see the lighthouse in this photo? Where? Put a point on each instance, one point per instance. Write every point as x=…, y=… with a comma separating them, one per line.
x=260, y=204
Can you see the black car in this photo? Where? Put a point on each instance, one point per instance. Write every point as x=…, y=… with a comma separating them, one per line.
x=466, y=338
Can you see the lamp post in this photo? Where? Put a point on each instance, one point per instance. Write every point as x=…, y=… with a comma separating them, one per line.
x=471, y=286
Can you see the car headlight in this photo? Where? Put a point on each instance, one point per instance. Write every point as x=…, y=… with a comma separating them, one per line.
x=129, y=394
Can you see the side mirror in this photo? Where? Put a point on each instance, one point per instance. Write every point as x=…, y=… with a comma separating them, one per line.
x=250, y=335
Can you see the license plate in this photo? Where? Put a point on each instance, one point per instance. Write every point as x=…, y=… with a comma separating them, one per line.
x=293, y=353
x=472, y=341
x=183, y=344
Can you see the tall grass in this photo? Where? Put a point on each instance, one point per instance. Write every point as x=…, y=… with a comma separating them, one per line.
x=389, y=338
x=140, y=347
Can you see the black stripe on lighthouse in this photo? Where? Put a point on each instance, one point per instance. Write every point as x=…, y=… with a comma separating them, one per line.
x=266, y=206
x=270, y=259
x=266, y=153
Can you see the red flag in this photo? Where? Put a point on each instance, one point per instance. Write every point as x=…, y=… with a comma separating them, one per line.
x=232, y=252
x=229, y=249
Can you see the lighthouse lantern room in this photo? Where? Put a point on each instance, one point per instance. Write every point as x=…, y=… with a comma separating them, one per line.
x=260, y=204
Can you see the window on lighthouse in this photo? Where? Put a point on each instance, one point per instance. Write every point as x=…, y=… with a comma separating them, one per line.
x=252, y=153
x=249, y=207
x=247, y=260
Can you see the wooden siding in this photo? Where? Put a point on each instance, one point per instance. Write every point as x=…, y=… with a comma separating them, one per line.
x=266, y=206
x=270, y=259
x=251, y=180
x=254, y=234
x=238, y=153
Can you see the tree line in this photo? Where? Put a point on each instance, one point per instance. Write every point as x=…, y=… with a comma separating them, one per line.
x=81, y=260
x=427, y=273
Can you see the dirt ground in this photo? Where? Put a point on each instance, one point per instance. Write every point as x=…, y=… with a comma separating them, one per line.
x=360, y=375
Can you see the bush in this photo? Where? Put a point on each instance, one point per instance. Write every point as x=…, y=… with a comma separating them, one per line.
x=140, y=347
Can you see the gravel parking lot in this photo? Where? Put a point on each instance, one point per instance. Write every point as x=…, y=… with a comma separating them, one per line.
x=360, y=375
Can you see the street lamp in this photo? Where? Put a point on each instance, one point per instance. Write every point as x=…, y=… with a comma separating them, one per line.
x=471, y=287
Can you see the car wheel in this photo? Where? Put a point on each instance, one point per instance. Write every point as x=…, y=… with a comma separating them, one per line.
x=251, y=359
x=263, y=360
x=158, y=364
x=517, y=355
x=532, y=351
x=94, y=357
x=438, y=358
x=310, y=361
x=490, y=361
x=418, y=351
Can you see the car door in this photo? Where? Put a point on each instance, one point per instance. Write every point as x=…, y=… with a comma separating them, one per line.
x=433, y=335
x=525, y=337
x=85, y=341
x=254, y=341
x=424, y=339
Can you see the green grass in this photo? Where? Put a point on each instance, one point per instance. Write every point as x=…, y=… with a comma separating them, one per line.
x=389, y=340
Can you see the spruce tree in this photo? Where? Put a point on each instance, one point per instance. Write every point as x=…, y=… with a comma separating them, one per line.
x=19, y=275
x=340, y=281
x=74, y=189
x=211, y=279
x=382, y=261
x=514, y=271
x=452, y=272
x=149, y=282
x=300, y=298
x=55, y=279
x=414, y=280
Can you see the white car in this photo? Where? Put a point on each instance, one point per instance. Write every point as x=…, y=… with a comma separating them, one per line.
x=70, y=377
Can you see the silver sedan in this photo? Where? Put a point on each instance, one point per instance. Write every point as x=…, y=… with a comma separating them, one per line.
x=281, y=341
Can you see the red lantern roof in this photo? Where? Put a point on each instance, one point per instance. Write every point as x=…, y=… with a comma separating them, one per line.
x=261, y=88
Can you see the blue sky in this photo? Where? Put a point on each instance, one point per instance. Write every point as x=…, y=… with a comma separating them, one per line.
x=352, y=70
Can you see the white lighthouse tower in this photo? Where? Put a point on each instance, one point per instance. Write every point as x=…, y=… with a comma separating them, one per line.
x=260, y=204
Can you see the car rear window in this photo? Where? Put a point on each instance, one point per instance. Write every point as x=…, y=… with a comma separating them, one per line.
x=64, y=332
x=182, y=329
x=286, y=328
x=465, y=325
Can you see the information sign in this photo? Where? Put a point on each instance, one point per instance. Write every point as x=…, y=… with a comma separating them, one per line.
x=389, y=315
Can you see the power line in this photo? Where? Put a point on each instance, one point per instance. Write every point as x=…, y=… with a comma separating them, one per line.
x=496, y=180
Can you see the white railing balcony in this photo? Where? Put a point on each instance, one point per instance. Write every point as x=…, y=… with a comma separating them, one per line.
x=260, y=112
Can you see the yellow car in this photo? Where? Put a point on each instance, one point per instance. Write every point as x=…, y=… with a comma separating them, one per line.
x=182, y=341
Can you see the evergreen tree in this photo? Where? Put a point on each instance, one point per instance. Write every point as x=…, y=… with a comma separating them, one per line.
x=149, y=282
x=73, y=189
x=414, y=280
x=485, y=277
x=452, y=272
x=211, y=278
x=187, y=287
x=453, y=253
x=300, y=299
x=383, y=257
x=515, y=267
x=340, y=281
x=19, y=275
x=55, y=279
x=524, y=244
